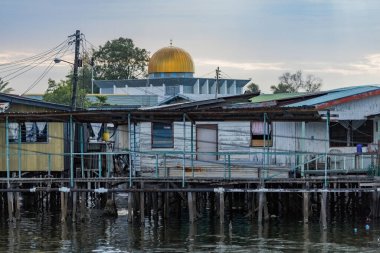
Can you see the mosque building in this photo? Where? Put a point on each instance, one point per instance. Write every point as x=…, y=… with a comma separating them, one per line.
x=170, y=80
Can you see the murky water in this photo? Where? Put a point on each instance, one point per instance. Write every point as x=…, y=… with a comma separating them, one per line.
x=38, y=232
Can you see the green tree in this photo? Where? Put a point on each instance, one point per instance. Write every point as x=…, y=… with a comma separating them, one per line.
x=100, y=100
x=252, y=87
x=290, y=83
x=4, y=88
x=60, y=93
x=120, y=59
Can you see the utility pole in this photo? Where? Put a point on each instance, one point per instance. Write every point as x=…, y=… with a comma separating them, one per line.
x=217, y=82
x=75, y=75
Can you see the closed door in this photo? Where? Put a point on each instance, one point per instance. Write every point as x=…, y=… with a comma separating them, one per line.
x=207, y=141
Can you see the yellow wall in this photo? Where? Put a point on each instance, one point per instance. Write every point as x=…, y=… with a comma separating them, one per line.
x=30, y=160
x=34, y=156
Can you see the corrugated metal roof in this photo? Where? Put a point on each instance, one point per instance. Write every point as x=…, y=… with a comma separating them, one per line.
x=273, y=97
x=335, y=94
x=123, y=99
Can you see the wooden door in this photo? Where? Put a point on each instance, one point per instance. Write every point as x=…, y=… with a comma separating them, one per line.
x=207, y=141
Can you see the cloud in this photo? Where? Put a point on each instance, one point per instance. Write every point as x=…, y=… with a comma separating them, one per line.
x=370, y=64
x=240, y=65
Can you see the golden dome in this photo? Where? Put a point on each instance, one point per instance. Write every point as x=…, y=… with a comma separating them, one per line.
x=171, y=60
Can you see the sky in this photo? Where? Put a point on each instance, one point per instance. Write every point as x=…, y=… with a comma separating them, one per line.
x=336, y=40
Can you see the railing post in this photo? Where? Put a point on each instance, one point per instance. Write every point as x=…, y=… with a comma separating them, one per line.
x=156, y=167
x=303, y=140
x=129, y=147
x=327, y=145
x=19, y=155
x=71, y=151
x=7, y=149
x=192, y=148
x=229, y=166
x=184, y=149
x=99, y=165
x=81, y=134
x=225, y=166
x=49, y=164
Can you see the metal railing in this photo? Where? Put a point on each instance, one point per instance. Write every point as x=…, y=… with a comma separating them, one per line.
x=225, y=165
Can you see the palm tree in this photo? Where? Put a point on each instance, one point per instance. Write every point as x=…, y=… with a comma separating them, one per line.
x=4, y=88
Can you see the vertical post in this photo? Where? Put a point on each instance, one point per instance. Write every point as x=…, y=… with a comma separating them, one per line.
x=134, y=148
x=130, y=207
x=264, y=144
x=49, y=164
x=7, y=159
x=130, y=154
x=142, y=205
x=19, y=150
x=75, y=73
x=156, y=166
x=323, y=210
x=303, y=141
x=327, y=144
x=71, y=151
x=99, y=165
x=221, y=206
x=229, y=165
x=260, y=211
x=305, y=207
x=81, y=137
x=192, y=147
x=191, y=207
x=184, y=149
x=217, y=82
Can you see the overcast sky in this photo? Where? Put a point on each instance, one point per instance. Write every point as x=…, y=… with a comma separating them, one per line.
x=337, y=40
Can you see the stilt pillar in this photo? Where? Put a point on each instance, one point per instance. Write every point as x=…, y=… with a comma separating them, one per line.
x=10, y=206
x=142, y=208
x=323, y=210
x=260, y=210
x=63, y=206
x=190, y=202
x=305, y=207
x=221, y=206
x=130, y=207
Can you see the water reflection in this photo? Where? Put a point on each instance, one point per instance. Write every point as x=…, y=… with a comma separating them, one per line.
x=45, y=233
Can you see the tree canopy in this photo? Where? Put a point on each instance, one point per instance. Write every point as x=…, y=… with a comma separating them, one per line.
x=290, y=83
x=4, y=88
x=120, y=59
x=60, y=93
x=252, y=87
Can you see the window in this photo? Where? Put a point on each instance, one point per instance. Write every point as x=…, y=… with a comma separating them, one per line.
x=259, y=132
x=171, y=90
x=162, y=135
x=349, y=133
x=31, y=132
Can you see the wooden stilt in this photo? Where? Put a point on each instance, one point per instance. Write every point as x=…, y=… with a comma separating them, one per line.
x=260, y=211
x=221, y=207
x=74, y=213
x=130, y=207
x=63, y=206
x=305, y=207
x=323, y=210
x=82, y=206
x=18, y=206
x=191, y=207
x=265, y=204
x=142, y=207
x=10, y=206
x=166, y=205
x=155, y=204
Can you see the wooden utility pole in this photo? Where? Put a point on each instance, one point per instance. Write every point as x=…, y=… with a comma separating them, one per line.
x=217, y=71
x=75, y=74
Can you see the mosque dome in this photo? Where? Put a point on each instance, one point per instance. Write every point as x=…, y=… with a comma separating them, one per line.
x=171, y=62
